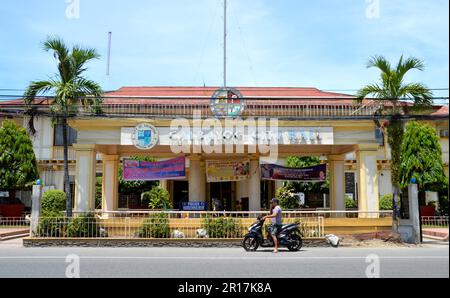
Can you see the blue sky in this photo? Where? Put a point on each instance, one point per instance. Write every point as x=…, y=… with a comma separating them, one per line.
x=321, y=43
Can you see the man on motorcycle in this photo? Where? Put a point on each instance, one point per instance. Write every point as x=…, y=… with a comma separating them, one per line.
x=276, y=218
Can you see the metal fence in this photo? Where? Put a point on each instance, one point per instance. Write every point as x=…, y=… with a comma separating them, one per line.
x=164, y=225
x=435, y=221
x=14, y=222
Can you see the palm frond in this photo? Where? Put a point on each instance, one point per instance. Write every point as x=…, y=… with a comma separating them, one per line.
x=381, y=63
x=80, y=57
x=418, y=92
x=374, y=90
x=61, y=53
x=411, y=63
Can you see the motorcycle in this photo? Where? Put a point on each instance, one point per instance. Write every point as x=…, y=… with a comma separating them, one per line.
x=289, y=236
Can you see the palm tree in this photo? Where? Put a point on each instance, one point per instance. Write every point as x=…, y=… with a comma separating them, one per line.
x=392, y=95
x=70, y=90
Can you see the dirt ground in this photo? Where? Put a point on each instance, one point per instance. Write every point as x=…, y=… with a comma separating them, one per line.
x=382, y=239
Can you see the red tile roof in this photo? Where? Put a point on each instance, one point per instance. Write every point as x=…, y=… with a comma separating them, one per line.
x=443, y=110
x=192, y=95
x=208, y=92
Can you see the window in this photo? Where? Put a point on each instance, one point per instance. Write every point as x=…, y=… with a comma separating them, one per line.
x=443, y=133
x=58, y=135
x=379, y=136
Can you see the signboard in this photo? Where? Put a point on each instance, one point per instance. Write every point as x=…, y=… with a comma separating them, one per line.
x=309, y=174
x=145, y=136
x=227, y=170
x=194, y=206
x=168, y=136
x=134, y=170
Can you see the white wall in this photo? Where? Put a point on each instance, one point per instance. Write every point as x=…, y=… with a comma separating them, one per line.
x=43, y=139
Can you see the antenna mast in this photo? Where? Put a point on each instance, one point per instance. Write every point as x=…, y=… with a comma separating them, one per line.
x=109, y=53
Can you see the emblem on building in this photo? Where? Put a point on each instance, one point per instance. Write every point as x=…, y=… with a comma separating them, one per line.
x=145, y=136
x=227, y=102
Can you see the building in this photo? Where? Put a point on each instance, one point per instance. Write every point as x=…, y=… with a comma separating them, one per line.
x=311, y=122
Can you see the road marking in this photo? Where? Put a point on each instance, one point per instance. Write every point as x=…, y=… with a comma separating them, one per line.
x=232, y=258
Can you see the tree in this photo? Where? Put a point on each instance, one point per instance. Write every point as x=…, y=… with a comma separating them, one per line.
x=421, y=158
x=18, y=168
x=70, y=90
x=390, y=94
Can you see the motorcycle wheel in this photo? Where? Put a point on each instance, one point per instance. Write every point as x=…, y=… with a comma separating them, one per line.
x=298, y=243
x=250, y=243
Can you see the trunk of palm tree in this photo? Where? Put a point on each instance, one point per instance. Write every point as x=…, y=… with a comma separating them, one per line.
x=395, y=139
x=66, y=170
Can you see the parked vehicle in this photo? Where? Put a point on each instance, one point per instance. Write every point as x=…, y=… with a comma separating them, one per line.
x=289, y=236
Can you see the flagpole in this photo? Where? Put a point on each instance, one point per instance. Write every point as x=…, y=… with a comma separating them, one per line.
x=225, y=44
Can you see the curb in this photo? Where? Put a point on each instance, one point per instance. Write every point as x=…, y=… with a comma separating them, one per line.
x=111, y=242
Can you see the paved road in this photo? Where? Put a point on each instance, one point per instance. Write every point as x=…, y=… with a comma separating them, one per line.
x=430, y=261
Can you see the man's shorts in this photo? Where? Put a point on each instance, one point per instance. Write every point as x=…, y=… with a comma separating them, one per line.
x=274, y=229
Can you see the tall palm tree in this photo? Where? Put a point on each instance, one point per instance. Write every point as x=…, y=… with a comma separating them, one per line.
x=70, y=90
x=392, y=95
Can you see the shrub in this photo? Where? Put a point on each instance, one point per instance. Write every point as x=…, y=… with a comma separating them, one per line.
x=157, y=198
x=350, y=203
x=83, y=226
x=53, y=201
x=287, y=199
x=155, y=226
x=386, y=202
x=443, y=205
x=222, y=227
x=52, y=224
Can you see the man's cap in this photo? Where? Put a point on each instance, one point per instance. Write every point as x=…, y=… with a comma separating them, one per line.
x=274, y=200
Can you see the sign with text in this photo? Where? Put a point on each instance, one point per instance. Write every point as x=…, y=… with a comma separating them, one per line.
x=309, y=174
x=227, y=170
x=194, y=206
x=134, y=170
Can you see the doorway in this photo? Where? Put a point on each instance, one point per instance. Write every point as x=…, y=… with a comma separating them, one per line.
x=180, y=194
x=223, y=192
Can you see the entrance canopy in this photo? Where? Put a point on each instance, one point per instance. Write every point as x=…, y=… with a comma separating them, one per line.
x=283, y=151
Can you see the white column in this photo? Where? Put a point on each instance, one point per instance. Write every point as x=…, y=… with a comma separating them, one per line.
x=110, y=184
x=368, y=194
x=242, y=189
x=197, y=180
x=254, y=186
x=337, y=182
x=85, y=177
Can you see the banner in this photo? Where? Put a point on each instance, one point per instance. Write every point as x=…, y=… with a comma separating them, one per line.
x=309, y=174
x=134, y=170
x=227, y=170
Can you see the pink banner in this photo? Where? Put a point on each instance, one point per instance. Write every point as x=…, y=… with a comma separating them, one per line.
x=134, y=170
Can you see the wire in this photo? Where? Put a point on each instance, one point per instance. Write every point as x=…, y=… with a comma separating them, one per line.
x=189, y=88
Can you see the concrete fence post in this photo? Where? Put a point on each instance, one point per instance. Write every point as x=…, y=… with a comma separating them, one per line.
x=35, y=208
